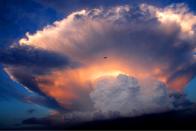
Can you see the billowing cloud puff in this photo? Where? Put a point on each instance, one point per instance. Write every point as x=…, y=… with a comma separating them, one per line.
x=174, y=14
x=130, y=97
x=90, y=44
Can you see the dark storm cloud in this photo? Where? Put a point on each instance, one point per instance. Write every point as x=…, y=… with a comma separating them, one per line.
x=189, y=70
x=32, y=57
x=26, y=77
x=37, y=121
x=25, y=63
x=43, y=101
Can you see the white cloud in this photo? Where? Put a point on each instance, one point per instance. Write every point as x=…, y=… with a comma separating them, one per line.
x=130, y=96
x=174, y=14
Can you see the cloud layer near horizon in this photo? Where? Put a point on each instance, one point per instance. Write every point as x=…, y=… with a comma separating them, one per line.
x=63, y=61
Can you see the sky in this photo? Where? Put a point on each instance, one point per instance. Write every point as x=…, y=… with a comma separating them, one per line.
x=86, y=60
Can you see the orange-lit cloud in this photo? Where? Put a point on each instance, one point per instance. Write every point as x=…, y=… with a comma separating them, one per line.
x=180, y=82
x=66, y=85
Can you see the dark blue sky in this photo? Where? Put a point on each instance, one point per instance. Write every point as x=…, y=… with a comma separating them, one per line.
x=20, y=16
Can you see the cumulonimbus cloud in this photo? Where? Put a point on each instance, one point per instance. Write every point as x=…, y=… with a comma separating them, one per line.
x=121, y=96
x=142, y=42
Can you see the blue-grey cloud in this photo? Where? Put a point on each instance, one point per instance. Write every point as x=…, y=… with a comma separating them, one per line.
x=32, y=57
x=25, y=63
